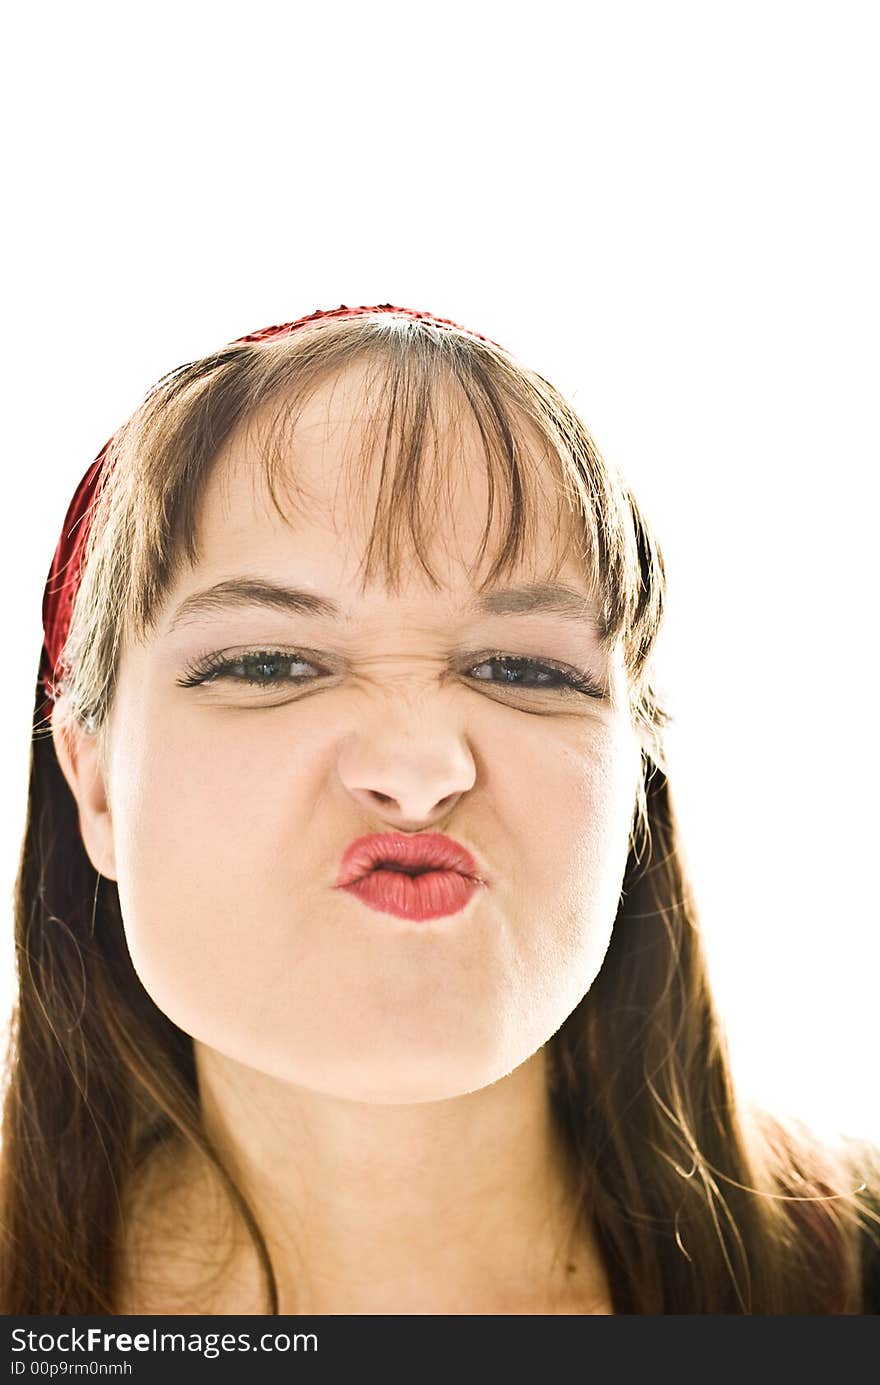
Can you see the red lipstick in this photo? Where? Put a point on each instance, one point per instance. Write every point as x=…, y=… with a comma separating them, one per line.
x=413, y=877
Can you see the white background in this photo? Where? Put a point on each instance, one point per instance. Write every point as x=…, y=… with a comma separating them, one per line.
x=670, y=211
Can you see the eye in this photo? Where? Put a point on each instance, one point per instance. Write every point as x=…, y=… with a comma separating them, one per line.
x=263, y=668
x=535, y=675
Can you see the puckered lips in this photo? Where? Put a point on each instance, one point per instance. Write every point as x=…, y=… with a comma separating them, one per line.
x=413, y=877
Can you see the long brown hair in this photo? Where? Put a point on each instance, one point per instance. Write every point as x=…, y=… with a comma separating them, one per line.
x=700, y=1202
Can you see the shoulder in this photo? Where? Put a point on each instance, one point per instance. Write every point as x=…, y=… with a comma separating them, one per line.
x=835, y=1180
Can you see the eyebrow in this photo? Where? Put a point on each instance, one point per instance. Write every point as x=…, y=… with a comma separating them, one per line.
x=544, y=597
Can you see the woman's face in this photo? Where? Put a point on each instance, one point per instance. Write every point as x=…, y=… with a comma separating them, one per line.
x=233, y=802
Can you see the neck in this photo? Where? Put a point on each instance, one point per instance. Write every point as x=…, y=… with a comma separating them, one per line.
x=455, y=1206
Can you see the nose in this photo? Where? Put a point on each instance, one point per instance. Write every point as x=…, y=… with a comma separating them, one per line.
x=409, y=783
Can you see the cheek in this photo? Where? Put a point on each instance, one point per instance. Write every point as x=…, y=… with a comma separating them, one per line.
x=207, y=838
x=180, y=815
x=206, y=787
x=576, y=825
x=570, y=802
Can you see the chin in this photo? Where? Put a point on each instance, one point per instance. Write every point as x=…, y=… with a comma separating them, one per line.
x=393, y=1081
x=384, y=1091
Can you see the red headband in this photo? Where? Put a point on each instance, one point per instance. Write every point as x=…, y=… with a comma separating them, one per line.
x=63, y=580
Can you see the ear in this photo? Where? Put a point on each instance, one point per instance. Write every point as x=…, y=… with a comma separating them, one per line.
x=79, y=754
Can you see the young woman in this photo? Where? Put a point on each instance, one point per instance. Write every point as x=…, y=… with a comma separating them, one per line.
x=359, y=972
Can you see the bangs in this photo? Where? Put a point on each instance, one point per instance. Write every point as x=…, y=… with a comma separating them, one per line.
x=421, y=432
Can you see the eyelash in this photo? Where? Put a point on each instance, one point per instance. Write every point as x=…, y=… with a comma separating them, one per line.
x=215, y=667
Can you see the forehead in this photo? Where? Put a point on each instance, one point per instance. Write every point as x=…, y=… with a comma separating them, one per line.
x=313, y=486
